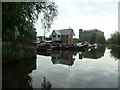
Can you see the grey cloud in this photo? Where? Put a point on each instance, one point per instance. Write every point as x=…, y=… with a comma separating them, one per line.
x=87, y=7
x=85, y=78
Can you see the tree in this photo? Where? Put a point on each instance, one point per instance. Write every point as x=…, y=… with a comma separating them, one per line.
x=18, y=20
x=114, y=39
x=19, y=17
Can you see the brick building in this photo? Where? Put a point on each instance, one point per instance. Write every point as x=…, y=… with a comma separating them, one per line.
x=64, y=36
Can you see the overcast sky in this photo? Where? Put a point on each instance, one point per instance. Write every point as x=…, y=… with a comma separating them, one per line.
x=85, y=14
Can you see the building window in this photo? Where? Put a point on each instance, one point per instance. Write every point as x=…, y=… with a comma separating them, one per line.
x=53, y=57
x=58, y=57
x=58, y=36
x=54, y=36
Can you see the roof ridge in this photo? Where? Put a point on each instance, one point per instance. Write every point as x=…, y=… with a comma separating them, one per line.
x=64, y=31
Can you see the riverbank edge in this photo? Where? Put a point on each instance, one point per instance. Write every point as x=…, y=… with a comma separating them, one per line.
x=14, y=53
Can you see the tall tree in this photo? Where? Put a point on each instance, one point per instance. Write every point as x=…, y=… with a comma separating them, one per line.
x=18, y=18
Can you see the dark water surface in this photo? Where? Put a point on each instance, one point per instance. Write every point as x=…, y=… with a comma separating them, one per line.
x=97, y=68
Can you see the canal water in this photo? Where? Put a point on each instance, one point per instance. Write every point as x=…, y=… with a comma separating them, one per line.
x=96, y=68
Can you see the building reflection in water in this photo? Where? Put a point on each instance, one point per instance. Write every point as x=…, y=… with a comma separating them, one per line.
x=93, y=53
x=17, y=75
x=65, y=58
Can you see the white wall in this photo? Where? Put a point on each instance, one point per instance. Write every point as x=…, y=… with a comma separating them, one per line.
x=56, y=38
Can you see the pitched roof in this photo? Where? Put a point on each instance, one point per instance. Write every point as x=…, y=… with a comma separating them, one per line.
x=64, y=32
x=57, y=32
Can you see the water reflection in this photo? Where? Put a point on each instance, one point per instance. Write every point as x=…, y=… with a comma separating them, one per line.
x=114, y=51
x=17, y=75
x=95, y=53
x=83, y=74
x=46, y=85
x=65, y=58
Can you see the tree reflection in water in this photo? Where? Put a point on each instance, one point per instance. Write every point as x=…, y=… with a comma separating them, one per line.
x=46, y=85
x=16, y=75
x=93, y=53
x=114, y=51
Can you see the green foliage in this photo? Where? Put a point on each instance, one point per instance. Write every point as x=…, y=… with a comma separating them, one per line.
x=114, y=39
x=19, y=17
x=115, y=52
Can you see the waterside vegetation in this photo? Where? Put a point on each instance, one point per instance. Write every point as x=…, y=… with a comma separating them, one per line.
x=114, y=39
x=18, y=32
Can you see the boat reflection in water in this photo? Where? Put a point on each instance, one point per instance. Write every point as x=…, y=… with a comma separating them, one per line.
x=67, y=57
x=52, y=67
